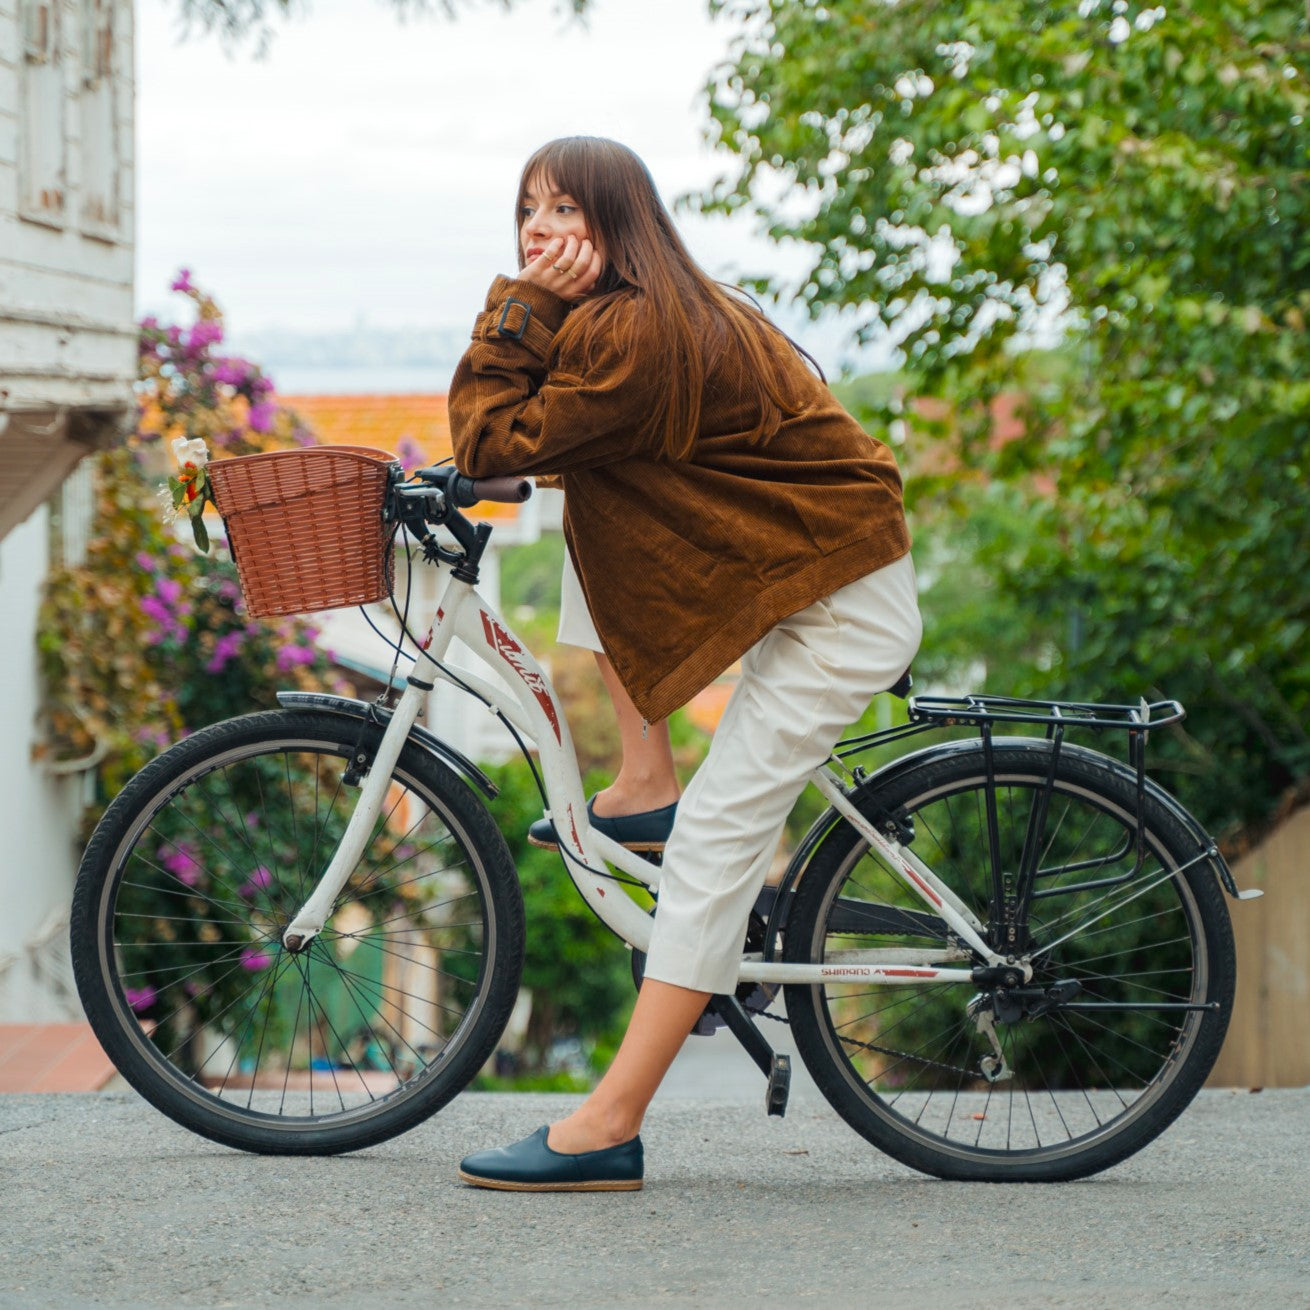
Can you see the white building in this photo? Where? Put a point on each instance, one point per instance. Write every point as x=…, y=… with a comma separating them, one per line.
x=67, y=363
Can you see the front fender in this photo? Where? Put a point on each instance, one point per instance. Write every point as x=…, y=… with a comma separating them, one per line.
x=358, y=709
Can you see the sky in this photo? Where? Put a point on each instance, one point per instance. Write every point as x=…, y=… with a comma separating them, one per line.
x=364, y=169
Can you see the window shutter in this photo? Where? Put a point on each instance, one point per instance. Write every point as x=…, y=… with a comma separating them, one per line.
x=42, y=171
x=97, y=111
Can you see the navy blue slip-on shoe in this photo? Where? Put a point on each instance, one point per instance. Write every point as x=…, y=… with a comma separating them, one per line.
x=531, y=1166
x=647, y=831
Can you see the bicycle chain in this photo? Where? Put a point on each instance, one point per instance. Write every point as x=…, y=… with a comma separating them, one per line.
x=905, y=1055
x=872, y=1046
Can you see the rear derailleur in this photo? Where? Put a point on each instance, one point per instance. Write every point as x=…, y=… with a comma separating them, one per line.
x=1009, y=1005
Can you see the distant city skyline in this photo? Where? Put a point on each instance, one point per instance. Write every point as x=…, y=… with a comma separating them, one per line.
x=364, y=170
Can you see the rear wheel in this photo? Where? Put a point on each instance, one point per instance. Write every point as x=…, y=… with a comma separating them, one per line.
x=182, y=898
x=1139, y=953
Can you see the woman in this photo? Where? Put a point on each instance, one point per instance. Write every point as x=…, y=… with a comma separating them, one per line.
x=719, y=505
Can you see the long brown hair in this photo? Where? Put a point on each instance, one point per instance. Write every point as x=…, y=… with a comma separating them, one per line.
x=684, y=323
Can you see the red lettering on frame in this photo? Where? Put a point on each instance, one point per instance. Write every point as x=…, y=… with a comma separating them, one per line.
x=512, y=653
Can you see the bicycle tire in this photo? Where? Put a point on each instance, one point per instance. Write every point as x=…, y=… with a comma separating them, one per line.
x=181, y=899
x=902, y=1064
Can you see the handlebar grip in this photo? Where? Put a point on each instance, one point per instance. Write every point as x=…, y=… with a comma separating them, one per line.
x=510, y=491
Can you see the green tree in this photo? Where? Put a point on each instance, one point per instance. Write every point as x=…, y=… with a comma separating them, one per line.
x=1130, y=181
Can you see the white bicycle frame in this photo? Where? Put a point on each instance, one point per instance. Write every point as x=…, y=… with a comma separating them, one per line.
x=536, y=713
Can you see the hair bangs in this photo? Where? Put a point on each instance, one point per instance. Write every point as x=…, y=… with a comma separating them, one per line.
x=564, y=167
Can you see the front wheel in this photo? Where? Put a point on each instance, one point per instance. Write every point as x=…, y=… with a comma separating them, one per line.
x=188, y=884
x=1132, y=955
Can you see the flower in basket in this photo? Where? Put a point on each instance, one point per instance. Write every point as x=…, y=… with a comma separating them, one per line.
x=190, y=489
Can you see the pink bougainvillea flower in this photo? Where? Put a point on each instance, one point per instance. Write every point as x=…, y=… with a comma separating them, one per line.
x=261, y=416
x=410, y=453
x=154, y=608
x=203, y=334
x=231, y=372
x=145, y=562
x=254, y=958
x=140, y=998
x=179, y=858
x=258, y=881
x=182, y=282
x=225, y=650
x=288, y=657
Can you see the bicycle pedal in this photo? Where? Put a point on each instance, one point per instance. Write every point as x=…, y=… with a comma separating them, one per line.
x=707, y=1025
x=775, y=1096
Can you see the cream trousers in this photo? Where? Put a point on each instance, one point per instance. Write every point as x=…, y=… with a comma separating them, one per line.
x=801, y=686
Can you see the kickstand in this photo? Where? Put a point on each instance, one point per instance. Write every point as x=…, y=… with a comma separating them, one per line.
x=775, y=1066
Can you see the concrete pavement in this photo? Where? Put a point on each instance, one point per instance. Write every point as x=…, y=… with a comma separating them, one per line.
x=103, y=1202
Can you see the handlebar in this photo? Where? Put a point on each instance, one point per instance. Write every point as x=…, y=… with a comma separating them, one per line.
x=441, y=493
x=468, y=491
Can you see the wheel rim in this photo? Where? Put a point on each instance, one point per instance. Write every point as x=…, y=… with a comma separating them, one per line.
x=191, y=919
x=913, y=1054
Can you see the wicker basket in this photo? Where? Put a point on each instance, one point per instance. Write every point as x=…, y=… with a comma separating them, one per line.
x=305, y=526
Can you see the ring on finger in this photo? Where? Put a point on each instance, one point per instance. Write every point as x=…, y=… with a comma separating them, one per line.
x=562, y=268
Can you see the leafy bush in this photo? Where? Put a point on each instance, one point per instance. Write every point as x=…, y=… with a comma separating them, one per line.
x=145, y=640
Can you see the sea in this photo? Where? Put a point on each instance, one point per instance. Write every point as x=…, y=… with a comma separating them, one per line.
x=360, y=379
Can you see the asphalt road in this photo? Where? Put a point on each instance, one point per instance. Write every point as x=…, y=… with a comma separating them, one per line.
x=105, y=1203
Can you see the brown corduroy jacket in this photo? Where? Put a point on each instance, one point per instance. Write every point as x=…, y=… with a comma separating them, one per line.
x=685, y=565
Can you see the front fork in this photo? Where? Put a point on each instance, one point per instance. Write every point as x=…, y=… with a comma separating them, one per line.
x=314, y=913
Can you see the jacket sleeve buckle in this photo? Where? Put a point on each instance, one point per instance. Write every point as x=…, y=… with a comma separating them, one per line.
x=504, y=328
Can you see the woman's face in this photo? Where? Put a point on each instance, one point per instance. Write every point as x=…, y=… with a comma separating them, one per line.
x=546, y=214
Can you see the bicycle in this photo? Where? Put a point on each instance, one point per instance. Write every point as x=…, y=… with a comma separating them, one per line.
x=1004, y=958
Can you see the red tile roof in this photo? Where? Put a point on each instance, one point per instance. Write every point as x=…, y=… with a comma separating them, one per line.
x=415, y=427
x=384, y=421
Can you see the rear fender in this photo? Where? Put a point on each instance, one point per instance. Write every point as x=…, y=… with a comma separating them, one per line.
x=774, y=902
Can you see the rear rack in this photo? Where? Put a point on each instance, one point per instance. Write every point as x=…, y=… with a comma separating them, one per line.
x=948, y=711
x=984, y=712
x=1056, y=716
